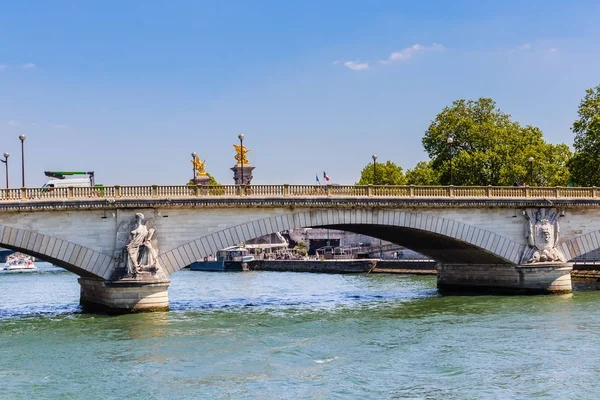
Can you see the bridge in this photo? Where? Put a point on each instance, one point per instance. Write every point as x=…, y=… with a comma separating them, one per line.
x=125, y=241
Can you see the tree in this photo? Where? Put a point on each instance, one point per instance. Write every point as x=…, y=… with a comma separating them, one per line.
x=488, y=148
x=387, y=173
x=423, y=174
x=211, y=181
x=585, y=163
x=301, y=248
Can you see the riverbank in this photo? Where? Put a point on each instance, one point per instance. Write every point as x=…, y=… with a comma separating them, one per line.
x=345, y=266
x=415, y=267
x=586, y=271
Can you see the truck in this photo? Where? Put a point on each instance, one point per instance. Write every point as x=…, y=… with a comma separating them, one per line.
x=63, y=179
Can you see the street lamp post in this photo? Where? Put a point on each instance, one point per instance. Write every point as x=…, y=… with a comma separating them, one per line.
x=530, y=171
x=241, y=137
x=5, y=161
x=22, y=139
x=450, y=142
x=194, y=155
x=374, y=157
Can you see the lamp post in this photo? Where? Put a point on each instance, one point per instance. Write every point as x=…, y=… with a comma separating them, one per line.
x=450, y=142
x=22, y=139
x=241, y=137
x=5, y=161
x=530, y=171
x=194, y=155
x=374, y=157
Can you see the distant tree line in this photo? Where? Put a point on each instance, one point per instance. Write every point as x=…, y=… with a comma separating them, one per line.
x=473, y=142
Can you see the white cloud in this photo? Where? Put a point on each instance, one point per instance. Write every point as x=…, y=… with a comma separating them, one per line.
x=14, y=123
x=519, y=49
x=410, y=52
x=28, y=66
x=552, y=50
x=524, y=47
x=356, y=65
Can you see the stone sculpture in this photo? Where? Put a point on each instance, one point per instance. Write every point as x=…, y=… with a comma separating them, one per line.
x=542, y=233
x=242, y=152
x=137, y=246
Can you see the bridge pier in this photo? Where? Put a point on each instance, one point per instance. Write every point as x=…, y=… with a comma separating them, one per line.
x=539, y=278
x=124, y=296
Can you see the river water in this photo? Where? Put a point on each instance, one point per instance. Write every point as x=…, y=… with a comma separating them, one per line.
x=277, y=335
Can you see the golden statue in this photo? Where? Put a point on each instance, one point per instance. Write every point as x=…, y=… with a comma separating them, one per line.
x=242, y=151
x=199, y=166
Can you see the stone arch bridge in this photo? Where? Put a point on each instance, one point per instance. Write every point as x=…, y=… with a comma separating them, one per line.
x=516, y=240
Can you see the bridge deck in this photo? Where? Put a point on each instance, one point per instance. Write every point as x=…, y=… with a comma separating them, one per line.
x=297, y=191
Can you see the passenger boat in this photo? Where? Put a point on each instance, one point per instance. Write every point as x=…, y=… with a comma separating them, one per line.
x=232, y=258
x=19, y=262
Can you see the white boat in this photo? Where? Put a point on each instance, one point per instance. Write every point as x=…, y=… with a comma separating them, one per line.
x=19, y=262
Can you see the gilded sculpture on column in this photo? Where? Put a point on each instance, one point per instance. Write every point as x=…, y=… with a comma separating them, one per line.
x=242, y=152
x=199, y=166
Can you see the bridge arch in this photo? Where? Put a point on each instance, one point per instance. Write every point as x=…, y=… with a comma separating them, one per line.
x=78, y=259
x=581, y=245
x=440, y=238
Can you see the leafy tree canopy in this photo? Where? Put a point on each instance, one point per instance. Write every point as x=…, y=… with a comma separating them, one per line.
x=423, y=174
x=211, y=181
x=387, y=173
x=488, y=148
x=585, y=164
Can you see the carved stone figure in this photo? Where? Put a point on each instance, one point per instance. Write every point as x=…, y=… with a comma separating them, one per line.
x=242, y=152
x=137, y=247
x=542, y=232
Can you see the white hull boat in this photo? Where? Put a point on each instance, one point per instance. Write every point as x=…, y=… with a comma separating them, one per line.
x=19, y=262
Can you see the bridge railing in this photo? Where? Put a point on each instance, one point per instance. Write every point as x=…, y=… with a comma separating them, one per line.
x=277, y=191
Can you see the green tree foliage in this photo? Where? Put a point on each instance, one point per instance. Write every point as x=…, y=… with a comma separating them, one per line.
x=490, y=149
x=585, y=164
x=423, y=174
x=387, y=173
x=211, y=181
x=301, y=248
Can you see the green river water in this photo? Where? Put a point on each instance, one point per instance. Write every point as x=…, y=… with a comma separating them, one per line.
x=274, y=335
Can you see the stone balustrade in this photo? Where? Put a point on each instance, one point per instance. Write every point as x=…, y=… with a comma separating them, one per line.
x=278, y=191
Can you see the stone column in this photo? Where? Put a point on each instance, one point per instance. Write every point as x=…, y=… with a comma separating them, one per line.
x=539, y=278
x=125, y=295
x=237, y=174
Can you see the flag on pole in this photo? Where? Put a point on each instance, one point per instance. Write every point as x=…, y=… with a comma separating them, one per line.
x=318, y=181
x=325, y=176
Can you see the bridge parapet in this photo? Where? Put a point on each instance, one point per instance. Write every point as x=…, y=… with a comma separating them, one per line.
x=280, y=191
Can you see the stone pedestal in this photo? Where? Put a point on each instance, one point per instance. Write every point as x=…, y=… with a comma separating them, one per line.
x=201, y=180
x=124, y=296
x=539, y=278
x=237, y=174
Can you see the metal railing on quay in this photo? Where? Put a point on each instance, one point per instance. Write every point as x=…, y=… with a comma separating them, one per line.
x=278, y=191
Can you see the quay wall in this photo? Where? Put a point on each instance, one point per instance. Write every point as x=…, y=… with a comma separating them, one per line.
x=330, y=266
x=425, y=267
x=345, y=266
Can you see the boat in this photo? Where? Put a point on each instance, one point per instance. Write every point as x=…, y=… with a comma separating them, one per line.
x=19, y=262
x=234, y=258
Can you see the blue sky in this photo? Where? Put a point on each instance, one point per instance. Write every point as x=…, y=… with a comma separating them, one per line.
x=129, y=88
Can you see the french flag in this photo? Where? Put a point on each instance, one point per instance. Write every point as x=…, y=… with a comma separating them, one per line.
x=325, y=176
x=318, y=182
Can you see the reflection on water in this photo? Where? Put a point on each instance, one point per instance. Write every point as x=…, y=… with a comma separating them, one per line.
x=269, y=335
